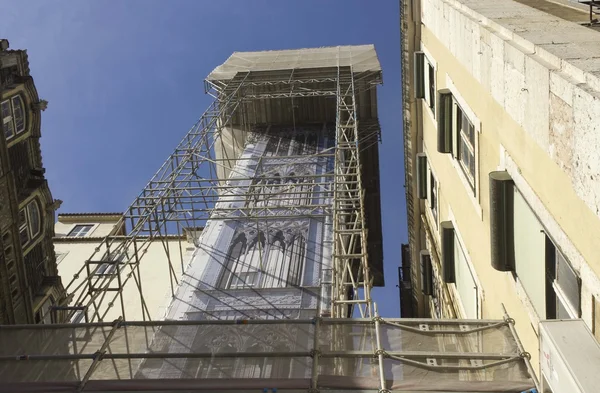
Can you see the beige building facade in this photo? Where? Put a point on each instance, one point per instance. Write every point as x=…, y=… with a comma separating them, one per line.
x=145, y=295
x=501, y=109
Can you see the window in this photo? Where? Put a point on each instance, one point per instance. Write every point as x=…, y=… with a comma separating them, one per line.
x=29, y=222
x=13, y=116
x=433, y=196
x=108, y=268
x=466, y=145
x=60, y=256
x=551, y=284
x=425, y=80
x=457, y=135
x=562, y=286
x=44, y=313
x=271, y=260
x=80, y=230
x=427, y=184
x=426, y=273
x=79, y=317
x=456, y=269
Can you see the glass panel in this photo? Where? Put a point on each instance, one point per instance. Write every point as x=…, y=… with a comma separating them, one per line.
x=567, y=280
x=34, y=218
x=80, y=230
x=431, y=87
x=530, y=255
x=5, y=109
x=18, y=113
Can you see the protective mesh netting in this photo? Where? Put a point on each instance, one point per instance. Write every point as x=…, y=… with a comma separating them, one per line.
x=417, y=357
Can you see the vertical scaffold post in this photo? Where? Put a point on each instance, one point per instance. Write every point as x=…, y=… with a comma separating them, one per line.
x=380, y=352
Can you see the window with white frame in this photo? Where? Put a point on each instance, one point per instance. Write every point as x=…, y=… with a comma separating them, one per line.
x=465, y=134
x=457, y=270
x=13, y=116
x=425, y=80
x=80, y=230
x=457, y=135
x=465, y=282
x=29, y=223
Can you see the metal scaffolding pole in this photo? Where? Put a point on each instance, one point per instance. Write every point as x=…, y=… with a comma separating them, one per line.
x=180, y=195
x=352, y=283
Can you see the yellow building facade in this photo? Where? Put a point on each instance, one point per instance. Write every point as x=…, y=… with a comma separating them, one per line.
x=501, y=105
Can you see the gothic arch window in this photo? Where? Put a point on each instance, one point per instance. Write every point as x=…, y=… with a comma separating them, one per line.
x=297, y=256
x=243, y=261
x=30, y=222
x=265, y=259
x=13, y=116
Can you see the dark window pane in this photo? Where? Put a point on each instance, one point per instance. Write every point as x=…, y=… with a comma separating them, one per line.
x=9, y=129
x=431, y=87
x=34, y=218
x=5, y=109
x=24, y=235
x=19, y=117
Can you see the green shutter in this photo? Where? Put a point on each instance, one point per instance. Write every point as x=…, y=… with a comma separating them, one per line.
x=419, y=72
x=501, y=221
x=421, y=176
x=447, y=235
x=445, y=123
x=426, y=275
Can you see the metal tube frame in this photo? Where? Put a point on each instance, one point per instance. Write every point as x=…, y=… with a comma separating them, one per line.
x=319, y=350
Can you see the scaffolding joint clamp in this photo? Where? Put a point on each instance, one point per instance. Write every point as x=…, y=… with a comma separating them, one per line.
x=381, y=352
x=314, y=353
x=98, y=355
x=525, y=355
x=378, y=319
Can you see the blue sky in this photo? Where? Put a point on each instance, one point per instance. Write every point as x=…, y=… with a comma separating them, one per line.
x=124, y=81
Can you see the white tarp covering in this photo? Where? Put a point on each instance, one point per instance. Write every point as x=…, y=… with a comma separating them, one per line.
x=361, y=57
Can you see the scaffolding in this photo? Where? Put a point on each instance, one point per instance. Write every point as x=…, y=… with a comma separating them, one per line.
x=400, y=355
x=195, y=184
x=203, y=183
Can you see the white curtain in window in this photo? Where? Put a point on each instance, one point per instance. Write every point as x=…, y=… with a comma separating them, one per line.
x=530, y=246
x=465, y=283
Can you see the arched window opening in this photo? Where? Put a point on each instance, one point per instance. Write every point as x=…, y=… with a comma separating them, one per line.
x=13, y=116
x=30, y=222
